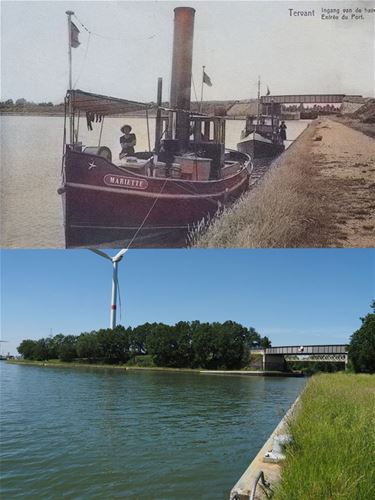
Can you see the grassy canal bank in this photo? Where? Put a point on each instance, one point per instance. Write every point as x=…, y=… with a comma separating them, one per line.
x=333, y=450
x=318, y=193
x=56, y=363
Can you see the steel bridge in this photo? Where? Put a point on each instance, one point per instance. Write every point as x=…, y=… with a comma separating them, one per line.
x=275, y=358
x=305, y=98
x=309, y=349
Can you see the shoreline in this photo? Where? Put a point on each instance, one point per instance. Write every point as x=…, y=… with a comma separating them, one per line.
x=308, y=429
x=199, y=371
x=130, y=115
x=272, y=470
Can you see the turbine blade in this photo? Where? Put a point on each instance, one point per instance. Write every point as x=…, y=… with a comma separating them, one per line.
x=102, y=254
x=119, y=255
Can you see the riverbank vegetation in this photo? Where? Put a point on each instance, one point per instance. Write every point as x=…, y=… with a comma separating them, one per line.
x=333, y=450
x=363, y=119
x=311, y=367
x=23, y=107
x=285, y=210
x=318, y=193
x=183, y=345
x=362, y=345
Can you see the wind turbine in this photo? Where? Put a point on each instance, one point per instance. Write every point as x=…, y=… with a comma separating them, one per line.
x=115, y=260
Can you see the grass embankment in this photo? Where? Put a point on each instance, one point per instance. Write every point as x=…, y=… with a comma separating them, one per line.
x=319, y=193
x=285, y=210
x=333, y=451
x=357, y=124
x=143, y=362
x=362, y=120
x=131, y=365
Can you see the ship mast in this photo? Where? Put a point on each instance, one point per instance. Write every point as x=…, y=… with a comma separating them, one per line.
x=70, y=13
x=258, y=102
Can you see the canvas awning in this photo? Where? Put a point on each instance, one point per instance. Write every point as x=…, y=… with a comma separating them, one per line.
x=104, y=105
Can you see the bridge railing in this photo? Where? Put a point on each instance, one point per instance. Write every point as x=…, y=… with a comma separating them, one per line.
x=309, y=349
x=304, y=98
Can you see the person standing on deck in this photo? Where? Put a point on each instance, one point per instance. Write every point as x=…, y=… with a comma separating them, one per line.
x=127, y=141
x=282, y=132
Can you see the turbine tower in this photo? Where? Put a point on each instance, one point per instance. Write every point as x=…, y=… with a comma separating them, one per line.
x=115, y=260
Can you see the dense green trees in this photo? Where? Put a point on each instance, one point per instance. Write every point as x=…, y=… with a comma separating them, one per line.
x=183, y=345
x=362, y=345
x=88, y=346
x=26, y=348
x=265, y=343
x=67, y=348
x=218, y=345
x=114, y=345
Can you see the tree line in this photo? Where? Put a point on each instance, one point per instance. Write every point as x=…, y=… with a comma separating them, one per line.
x=22, y=106
x=22, y=102
x=183, y=345
x=362, y=345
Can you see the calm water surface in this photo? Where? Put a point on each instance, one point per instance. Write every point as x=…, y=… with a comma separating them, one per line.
x=92, y=433
x=31, y=150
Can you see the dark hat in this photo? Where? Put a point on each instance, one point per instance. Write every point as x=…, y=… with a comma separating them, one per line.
x=124, y=127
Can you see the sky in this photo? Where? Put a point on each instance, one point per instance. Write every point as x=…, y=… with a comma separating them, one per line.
x=236, y=41
x=295, y=297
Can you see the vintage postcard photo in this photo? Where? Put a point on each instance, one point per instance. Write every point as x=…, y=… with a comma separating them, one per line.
x=194, y=124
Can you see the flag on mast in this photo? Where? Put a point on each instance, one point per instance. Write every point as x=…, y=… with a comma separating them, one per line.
x=268, y=90
x=74, y=33
x=206, y=79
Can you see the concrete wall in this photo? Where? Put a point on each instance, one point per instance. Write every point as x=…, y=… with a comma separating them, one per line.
x=255, y=361
x=275, y=362
x=272, y=471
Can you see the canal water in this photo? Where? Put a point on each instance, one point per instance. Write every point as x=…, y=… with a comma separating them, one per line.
x=31, y=151
x=102, y=433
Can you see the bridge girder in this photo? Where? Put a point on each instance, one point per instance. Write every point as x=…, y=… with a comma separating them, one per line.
x=304, y=98
x=309, y=349
x=321, y=358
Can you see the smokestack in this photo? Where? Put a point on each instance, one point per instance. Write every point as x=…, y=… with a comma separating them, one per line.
x=181, y=68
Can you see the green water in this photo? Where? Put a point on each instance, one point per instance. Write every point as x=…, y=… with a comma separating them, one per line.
x=97, y=433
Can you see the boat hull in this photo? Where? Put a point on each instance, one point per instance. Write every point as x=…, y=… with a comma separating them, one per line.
x=260, y=148
x=105, y=205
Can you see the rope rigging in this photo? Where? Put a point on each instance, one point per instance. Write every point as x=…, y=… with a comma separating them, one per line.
x=83, y=62
x=106, y=37
x=147, y=215
x=99, y=35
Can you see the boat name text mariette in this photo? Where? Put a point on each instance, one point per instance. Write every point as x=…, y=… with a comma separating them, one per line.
x=126, y=182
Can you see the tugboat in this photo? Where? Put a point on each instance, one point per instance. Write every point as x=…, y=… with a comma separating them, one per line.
x=261, y=135
x=152, y=198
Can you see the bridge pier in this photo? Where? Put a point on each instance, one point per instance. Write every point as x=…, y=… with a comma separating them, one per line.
x=274, y=362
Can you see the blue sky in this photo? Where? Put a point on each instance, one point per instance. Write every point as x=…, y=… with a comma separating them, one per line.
x=293, y=296
x=237, y=41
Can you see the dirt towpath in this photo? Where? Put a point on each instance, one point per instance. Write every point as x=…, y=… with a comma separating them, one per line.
x=345, y=158
x=319, y=193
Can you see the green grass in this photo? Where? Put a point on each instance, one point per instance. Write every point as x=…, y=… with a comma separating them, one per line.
x=140, y=363
x=333, y=450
